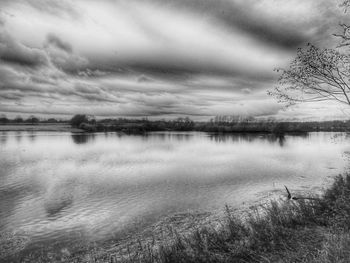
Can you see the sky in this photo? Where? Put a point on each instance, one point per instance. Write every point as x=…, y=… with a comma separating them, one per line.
x=158, y=58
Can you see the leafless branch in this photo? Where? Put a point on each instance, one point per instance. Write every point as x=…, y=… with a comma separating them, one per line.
x=315, y=75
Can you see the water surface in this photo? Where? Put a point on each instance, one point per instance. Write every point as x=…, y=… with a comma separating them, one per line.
x=57, y=188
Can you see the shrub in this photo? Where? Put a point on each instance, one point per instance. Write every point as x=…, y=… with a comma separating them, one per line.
x=78, y=119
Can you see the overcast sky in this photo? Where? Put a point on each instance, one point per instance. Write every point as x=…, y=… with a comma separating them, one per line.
x=157, y=58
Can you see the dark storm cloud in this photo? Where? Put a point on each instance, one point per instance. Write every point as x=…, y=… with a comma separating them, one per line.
x=21, y=86
x=239, y=15
x=243, y=15
x=12, y=95
x=17, y=53
x=273, y=33
x=178, y=68
x=62, y=56
x=69, y=63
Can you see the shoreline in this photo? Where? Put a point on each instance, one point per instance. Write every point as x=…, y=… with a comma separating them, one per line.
x=164, y=231
x=66, y=127
x=272, y=230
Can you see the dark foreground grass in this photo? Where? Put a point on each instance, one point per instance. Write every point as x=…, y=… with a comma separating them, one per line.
x=291, y=231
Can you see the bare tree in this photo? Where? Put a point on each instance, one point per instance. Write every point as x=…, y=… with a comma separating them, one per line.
x=317, y=74
x=344, y=35
x=345, y=4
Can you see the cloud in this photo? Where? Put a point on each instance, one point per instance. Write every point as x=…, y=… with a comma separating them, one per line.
x=159, y=58
x=64, y=8
x=2, y=20
x=243, y=15
x=144, y=78
x=92, y=73
x=246, y=90
x=58, y=43
x=70, y=63
x=286, y=25
x=16, y=53
x=62, y=56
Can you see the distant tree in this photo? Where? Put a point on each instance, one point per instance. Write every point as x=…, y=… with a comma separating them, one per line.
x=280, y=128
x=318, y=74
x=32, y=120
x=315, y=75
x=52, y=120
x=91, y=119
x=250, y=119
x=189, y=124
x=271, y=119
x=4, y=119
x=182, y=124
x=235, y=118
x=78, y=119
x=18, y=119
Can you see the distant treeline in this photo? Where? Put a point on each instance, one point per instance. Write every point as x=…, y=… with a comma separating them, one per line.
x=217, y=125
x=29, y=120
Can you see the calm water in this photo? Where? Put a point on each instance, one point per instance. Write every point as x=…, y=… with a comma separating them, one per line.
x=59, y=187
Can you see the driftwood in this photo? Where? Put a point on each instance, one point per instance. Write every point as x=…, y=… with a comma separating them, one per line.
x=291, y=197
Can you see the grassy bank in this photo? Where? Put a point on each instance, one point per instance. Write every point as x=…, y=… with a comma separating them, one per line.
x=289, y=231
x=315, y=230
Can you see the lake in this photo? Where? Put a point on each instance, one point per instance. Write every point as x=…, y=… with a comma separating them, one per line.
x=61, y=188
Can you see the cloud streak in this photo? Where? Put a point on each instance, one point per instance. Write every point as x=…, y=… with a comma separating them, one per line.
x=157, y=58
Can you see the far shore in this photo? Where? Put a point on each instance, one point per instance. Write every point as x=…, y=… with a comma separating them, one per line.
x=139, y=128
x=50, y=127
